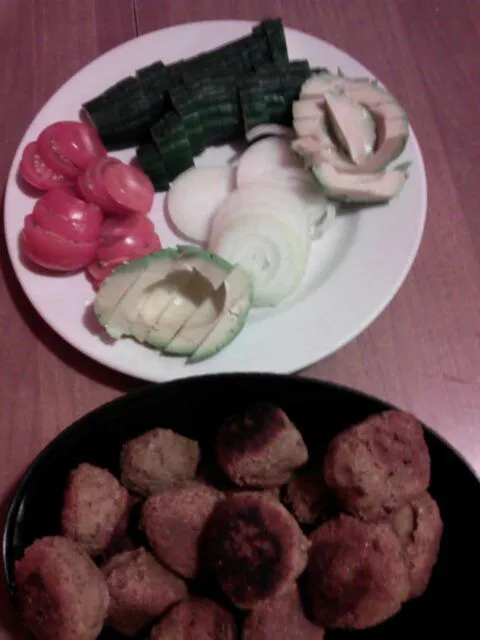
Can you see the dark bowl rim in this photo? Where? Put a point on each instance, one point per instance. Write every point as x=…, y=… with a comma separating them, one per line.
x=16, y=499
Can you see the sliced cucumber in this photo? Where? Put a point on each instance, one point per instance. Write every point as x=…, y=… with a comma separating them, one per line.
x=155, y=81
x=153, y=165
x=273, y=30
x=122, y=114
x=171, y=140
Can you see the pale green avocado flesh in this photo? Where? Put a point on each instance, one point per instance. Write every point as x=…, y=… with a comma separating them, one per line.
x=174, y=299
x=214, y=316
x=315, y=143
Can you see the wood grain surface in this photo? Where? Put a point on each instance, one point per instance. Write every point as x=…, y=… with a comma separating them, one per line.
x=422, y=353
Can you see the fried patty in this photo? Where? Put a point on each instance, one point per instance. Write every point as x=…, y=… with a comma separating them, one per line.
x=282, y=617
x=377, y=466
x=196, y=619
x=356, y=575
x=260, y=447
x=256, y=547
x=158, y=460
x=62, y=593
x=419, y=526
x=173, y=521
x=95, y=506
x=141, y=589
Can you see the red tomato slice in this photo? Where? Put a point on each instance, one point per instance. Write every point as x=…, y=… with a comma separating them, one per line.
x=61, y=212
x=97, y=273
x=34, y=170
x=69, y=147
x=53, y=252
x=129, y=187
x=90, y=184
x=122, y=239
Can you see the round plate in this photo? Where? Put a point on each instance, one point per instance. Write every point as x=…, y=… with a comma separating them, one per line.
x=195, y=407
x=353, y=272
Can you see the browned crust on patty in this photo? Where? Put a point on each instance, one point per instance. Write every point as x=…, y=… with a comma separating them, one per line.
x=256, y=547
x=158, y=460
x=141, y=589
x=260, y=447
x=62, y=593
x=356, y=574
x=377, y=466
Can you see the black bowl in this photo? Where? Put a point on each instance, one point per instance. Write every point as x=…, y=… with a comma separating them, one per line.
x=195, y=407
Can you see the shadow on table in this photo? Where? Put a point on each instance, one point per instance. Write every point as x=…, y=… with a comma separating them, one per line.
x=51, y=340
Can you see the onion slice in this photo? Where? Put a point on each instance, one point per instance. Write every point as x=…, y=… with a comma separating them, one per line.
x=263, y=157
x=319, y=209
x=264, y=229
x=194, y=197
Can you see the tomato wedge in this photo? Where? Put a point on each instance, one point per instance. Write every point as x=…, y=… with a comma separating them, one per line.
x=97, y=273
x=90, y=184
x=129, y=187
x=68, y=147
x=49, y=250
x=34, y=170
x=62, y=213
x=122, y=239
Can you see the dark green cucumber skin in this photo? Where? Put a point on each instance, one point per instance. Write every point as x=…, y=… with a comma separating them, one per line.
x=151, y=162
x=171, y=140
x=209, y=99
x=124, y=113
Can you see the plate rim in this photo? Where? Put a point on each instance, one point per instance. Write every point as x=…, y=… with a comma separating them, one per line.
x=291, y=364
x=136, y=395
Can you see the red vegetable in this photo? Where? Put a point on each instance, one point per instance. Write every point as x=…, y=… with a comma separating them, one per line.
x=129, y=187
x=52, y=251
x=69, y=147
x=61, y=212
x=90, y=184
x=123, y=239
x=34, y=170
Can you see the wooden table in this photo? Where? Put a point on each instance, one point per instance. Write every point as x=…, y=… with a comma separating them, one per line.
x=421, y=354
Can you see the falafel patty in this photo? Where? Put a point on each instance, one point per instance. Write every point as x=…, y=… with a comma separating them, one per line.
x=62, y=593
x=94, y=505
x=356, y=574
x=260, y=447
x=158, y=460
x=140, y=590
x=419, y=526
x=282, y=617
x=377, y=466
x=173, y=521
x=193, y=619
x=256, y=547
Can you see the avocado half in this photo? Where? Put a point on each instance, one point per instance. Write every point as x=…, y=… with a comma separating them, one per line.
x=182, y=301
x=369, y=188
x=327, y=102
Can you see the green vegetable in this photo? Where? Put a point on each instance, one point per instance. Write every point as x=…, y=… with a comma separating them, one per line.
x=185, y=301
x=122, y=114
x=171, y=139
x=151, y=162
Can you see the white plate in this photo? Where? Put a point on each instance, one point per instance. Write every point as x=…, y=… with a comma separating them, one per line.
x=354, y=272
